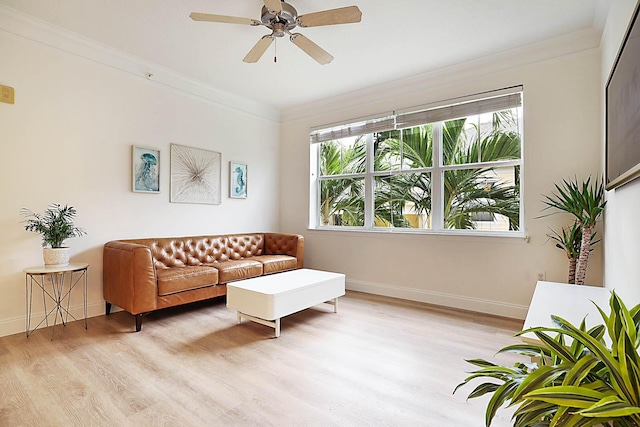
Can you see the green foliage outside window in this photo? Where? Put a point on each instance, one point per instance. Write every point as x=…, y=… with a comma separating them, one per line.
x=403, y=165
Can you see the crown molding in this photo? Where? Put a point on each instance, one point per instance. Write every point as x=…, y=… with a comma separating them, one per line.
x=601, y=14
x=551, y=49
x=27, y=27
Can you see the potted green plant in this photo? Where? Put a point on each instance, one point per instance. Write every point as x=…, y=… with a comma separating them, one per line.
x=578, y=381
x=586, y=202
x=55, y=226
x=569, y=240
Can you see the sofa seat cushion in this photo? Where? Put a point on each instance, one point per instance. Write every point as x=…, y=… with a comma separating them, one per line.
x=179, y=279
x=231, y=270
x=277, y=263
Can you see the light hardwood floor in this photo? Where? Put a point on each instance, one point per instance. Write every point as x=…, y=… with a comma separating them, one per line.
x=377, y=362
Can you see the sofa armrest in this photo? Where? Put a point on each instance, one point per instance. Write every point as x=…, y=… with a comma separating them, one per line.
x=129, y=277
x=285, y=244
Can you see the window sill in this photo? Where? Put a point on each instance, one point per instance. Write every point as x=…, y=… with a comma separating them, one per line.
x=518, y=235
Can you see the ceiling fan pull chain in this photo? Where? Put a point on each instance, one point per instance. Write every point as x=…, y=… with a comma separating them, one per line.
x=275, y=51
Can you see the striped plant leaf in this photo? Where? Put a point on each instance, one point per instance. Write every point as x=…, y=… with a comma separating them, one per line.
x=599, y=350
x=483, y=389
x=534, y=415
x=610, y=406
x=500, y=396
x=576, y=346
x=577, y=397
x=555, y=346
x=543, y=377
x=628, y=374
x=597, y=332
x=481, y=363
x=529, y=350
x=577, y=420
x=580, y=370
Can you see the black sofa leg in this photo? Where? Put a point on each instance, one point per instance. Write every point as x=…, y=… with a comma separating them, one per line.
x=138, y=322
x=107, y=308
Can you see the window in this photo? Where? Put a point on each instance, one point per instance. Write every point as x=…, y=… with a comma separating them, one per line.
x=454, y=167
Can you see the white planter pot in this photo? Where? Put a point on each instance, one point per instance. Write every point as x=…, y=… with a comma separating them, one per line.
x=55, y=257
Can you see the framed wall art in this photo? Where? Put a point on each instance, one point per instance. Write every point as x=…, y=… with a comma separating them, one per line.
x=195, y=175
x=622, y=148
x=145, y=170
x=237, y=180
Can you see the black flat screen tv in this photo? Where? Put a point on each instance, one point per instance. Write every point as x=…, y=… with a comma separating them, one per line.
x=622, y=152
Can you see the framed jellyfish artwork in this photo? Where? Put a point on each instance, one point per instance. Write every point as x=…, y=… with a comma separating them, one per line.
x=237, y=180
x=145, y=172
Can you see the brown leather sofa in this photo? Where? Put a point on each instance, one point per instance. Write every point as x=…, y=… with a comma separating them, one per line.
x=143, y=275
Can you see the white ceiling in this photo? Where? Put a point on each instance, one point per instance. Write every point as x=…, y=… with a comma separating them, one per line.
x=394, y=40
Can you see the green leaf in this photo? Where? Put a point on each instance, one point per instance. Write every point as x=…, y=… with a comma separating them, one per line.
x=627, y=372
x=533, y=413
x=542, y=377
x=610, y=407
x=556, y=347
x=530, y=350
x=483, y=389
x=577, y=420
x=480, y=363
x=628, y=322
x=600, y=351
x=501, y=394
x=580, y=370
x=597, y=332
x=578, y=397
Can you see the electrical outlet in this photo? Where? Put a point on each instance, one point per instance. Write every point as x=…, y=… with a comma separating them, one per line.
x=542, y=276
x=6, y=94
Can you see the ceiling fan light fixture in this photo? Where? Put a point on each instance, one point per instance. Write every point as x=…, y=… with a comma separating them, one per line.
x=288, y=16
x=278, y=30
x=281, y=18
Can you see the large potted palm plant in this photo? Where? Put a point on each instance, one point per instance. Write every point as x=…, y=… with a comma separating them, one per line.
x=579, y=380
x=55, y=226
x=586, y=202
x=569, y=240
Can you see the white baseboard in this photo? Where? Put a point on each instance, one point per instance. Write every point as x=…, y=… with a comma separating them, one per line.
x=18, y=324
x=496, y=308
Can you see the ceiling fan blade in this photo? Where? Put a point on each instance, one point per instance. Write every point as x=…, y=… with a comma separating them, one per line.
x=258, y=50
x=313, y=50
x=208, y=17
x=343, y=15
x=273, y=5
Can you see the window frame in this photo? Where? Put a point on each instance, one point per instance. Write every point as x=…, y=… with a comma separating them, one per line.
x=437, y=171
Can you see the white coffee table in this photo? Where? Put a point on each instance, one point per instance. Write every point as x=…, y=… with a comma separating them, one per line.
x=266, y=299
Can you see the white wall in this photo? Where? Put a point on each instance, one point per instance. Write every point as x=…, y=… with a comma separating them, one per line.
x=562, y=110
x=68, y=140
x=622, y=229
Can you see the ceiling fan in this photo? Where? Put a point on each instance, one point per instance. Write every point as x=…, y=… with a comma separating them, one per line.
x=281, y=18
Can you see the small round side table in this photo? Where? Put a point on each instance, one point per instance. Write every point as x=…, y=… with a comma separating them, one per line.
x=62, y=280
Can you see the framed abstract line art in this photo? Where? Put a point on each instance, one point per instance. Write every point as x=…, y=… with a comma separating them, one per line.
x=145, y=170
x=195, y=175
x=237, y=180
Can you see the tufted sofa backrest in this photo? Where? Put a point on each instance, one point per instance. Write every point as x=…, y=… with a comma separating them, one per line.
x=189, y=251
x=276, y=243
x=241, y=246
x=186, y=251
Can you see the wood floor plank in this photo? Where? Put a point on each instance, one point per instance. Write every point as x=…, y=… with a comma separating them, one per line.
x=378, y=361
